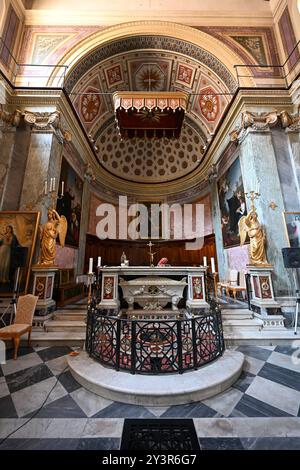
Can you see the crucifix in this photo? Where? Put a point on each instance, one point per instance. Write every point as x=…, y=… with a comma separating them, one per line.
x=150, y=244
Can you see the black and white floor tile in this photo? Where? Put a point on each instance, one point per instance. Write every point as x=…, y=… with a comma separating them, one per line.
x=266, y=396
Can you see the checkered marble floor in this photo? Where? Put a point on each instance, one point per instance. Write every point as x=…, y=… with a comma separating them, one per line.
x=260, y=411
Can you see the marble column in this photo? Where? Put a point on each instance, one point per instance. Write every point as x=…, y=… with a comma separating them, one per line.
x=13, y=156
x=7, y=141
x=83, y=226
x=293, y=136
x=43, y=163
x=258, y=164
x=216, y=216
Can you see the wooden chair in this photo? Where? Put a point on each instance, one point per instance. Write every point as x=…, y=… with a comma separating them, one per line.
x=231, y=281
x=23, y=322
x=238, y=287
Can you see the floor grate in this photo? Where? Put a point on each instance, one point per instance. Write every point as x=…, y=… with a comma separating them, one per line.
x=159, y=434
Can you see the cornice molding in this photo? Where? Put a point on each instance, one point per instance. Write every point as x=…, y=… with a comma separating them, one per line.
x=195, y=18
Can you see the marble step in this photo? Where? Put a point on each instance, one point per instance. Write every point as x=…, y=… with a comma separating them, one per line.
x=65, y=325
x=62, y=316
x=57, y=338
x=229, y=314
x=238, y=325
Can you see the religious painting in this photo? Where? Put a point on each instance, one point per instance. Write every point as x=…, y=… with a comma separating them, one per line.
x=70, y=204
x=292, y=228
x=232, y=203
x=18, y=232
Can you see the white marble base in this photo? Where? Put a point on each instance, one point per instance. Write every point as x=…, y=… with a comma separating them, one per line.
x=271, y=322
x=264, y=304
x=197, y=304
x=157, y=390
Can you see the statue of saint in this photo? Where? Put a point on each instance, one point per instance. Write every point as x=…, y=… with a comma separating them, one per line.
x=249, y=225
x=55, y=226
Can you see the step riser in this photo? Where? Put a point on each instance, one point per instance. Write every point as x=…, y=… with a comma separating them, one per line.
x=236, y=317
x=67, y=317
x=66, y=329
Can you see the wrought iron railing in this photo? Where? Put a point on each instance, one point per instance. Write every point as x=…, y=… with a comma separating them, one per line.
x=155, y=346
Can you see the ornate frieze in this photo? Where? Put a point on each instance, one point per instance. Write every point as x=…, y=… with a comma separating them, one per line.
x=263, y=122
x=45, y=121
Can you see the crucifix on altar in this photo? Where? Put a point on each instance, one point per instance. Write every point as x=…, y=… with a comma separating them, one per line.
x=150, y=244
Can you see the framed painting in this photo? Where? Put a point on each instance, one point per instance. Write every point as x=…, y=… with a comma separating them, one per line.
x=232, y=203
x=70, y=204
x=18, y=232
x=292, y=228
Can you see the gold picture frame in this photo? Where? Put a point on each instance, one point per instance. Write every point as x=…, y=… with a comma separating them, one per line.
x=291, y=220
x=18, y=234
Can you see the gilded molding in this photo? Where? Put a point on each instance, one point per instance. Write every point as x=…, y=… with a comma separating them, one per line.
x=46, y=121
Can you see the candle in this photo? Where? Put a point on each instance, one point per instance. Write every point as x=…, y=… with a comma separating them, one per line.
x=51, y=181
x=91, y=266
x=46, y=188
x=53, y=184
x=62, y=187
x=99, y=261
x=213, y=267
x=204, y=261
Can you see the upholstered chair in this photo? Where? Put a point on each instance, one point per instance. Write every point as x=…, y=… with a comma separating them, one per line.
x=23, y=322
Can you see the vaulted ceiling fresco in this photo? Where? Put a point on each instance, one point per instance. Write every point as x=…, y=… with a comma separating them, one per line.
x=207, y=82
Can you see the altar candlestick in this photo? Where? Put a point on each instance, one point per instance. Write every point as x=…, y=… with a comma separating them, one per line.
x=99, y=261
x=62, y=188
x=213, y=267
x=91, y=266
x=205, y=261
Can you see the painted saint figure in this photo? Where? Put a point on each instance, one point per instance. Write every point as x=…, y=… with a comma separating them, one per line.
x=8, y=243
x=55, y=226
x=250, y=225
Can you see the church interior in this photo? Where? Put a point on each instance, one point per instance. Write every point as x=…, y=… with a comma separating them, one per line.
x=149, y=225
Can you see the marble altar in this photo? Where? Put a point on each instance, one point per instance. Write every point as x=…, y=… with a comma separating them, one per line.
x=153, y=287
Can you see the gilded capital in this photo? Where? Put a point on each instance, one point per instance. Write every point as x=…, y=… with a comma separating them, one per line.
x=45, y=121
x=9, y=120
x=254, y=121
x=290, y=122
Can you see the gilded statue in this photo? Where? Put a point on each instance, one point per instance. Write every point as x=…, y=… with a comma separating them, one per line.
x=249, y=225
x=54, y=226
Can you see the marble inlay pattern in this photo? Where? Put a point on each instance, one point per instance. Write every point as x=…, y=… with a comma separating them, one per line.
x=266, y=397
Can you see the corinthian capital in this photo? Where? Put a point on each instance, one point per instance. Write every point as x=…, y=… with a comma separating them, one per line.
x=290, y=122
x=9, y=120
x=255, y=121
x=48, y=122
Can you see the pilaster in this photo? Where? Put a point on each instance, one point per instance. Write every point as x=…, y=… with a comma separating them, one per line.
x=259, y=169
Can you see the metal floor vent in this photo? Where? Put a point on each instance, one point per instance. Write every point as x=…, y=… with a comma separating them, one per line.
x=159, y=434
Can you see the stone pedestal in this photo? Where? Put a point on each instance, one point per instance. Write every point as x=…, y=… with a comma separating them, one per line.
x=43, y=284
x=263, y=297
